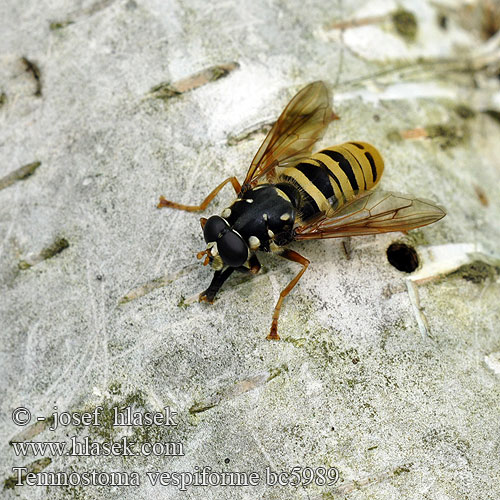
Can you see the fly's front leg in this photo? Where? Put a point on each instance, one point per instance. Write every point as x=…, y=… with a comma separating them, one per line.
x=294, y=257
x=221, y=276
x=217, y=281
x=204, y=204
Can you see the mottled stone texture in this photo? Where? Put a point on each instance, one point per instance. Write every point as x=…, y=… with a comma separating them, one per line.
x=393, y=381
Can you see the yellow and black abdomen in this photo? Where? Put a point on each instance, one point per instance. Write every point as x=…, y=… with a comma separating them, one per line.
x=333, y=176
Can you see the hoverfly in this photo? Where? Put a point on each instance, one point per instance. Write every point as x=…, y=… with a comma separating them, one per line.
x=290, y=194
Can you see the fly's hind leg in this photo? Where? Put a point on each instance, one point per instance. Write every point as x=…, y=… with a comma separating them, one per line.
x=294, y=257
x=198, y=208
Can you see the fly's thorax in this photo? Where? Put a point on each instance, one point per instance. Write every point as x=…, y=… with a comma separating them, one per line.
x=264, y=216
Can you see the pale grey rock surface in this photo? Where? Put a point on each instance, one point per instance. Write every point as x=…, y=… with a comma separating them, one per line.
x=394, y=382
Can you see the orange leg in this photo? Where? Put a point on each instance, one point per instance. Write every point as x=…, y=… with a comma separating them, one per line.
x=294, y=257
x=198, y=208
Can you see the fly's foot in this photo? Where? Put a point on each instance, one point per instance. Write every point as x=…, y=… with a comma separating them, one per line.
x=273, y=334
x=164, y=203
x=206, y=296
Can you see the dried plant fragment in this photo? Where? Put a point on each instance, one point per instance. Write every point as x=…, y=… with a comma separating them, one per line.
x=168, y=90
x=19, y=174
x=32, y=68
x=47, y=253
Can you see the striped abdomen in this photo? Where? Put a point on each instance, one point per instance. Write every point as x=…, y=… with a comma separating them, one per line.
x=333, y=176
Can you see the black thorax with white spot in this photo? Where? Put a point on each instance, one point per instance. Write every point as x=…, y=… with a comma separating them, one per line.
x=264, y=216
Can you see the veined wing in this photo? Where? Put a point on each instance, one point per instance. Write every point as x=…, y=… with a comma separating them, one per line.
x=301, y=124
x=373, y=212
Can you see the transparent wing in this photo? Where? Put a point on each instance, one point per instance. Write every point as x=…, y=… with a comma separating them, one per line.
x=371, y=213
x=300, y=125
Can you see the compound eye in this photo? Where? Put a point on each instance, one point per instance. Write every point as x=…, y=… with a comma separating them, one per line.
x=232, y=249
x=213, y=227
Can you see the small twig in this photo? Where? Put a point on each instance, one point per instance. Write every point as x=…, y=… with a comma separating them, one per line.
x=19, y=174
x=355, y=23
x=347, y=247
x=167, y=90
x=32, y=430
x=35, y=467
x=87, y=12
x=235, y=390
x=35, y=71
x=47, y=253
x=351, y=486
x=483, y=199
x=423, y=324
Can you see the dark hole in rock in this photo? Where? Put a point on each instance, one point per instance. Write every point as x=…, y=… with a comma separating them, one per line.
x=403, y=257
